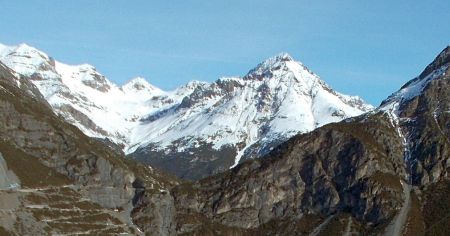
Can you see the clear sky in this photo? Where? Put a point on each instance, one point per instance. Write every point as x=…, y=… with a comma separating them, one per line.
x=365, y=48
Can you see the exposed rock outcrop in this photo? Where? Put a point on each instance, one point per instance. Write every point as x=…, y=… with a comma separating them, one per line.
x=386, y=171
x=352, y=176
x=69, y=183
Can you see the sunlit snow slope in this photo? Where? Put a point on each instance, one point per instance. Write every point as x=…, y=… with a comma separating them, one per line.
x=85, y=97
x=249, y=115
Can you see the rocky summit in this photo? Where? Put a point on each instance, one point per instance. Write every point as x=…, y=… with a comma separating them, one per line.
x=384, y=171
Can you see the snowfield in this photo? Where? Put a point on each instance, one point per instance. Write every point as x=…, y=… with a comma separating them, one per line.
x=277, y=99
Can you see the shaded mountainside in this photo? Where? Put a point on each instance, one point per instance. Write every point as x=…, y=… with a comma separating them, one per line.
x=351, y=170
x=54, y=179
x=382, y=173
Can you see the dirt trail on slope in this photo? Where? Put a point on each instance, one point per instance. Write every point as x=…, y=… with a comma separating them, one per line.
x=349, y=227
x=321, y=226
x=397, y=225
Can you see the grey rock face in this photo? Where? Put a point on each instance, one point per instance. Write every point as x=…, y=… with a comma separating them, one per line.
x=346, y=168
x=155, y=213
x=69, y=183
x=346, y=177
x=355, y=169
x=427, y=124
x=326, y=171
x=193, y=163
x=98, y=82
x=80, y=117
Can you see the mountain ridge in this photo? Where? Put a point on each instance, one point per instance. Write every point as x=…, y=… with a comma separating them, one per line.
x=142, y=118
x=384, y=172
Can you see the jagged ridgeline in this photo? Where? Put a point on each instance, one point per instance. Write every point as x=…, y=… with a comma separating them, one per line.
x=384, y=172
x=205, y=128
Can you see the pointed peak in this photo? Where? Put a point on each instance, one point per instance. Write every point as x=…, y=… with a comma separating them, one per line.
x=25, y=48
x=138, y=80
x=446, y=49
x=24, y=45
x=86, y=68
x=435, y=70
x=277, y=59
x=441, y=60
x=271, y=64
x=283, y=56
x=139, y=84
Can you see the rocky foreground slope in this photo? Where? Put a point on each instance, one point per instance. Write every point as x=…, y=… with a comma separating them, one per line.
x=382, y=173
x=55, y=180
x=199, y=129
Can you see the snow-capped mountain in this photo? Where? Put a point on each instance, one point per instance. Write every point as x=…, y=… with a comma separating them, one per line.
x=206, y=127
x=85, y=97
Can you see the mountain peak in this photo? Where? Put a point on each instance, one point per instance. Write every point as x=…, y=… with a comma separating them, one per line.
x=277, y=59
x=441, y=60
x=26, y=60
x=25, y=46
x=271, y=64
x=283, y=56
x=24, y=49
x=138, y=80
x=139, y=84
x=435, y=70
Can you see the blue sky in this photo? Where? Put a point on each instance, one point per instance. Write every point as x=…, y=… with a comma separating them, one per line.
x=359, y=48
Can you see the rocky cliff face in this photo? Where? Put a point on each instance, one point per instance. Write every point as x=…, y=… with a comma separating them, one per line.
x=351, y=168
x=424, y=118
x=382, y=173
x=54, y=179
